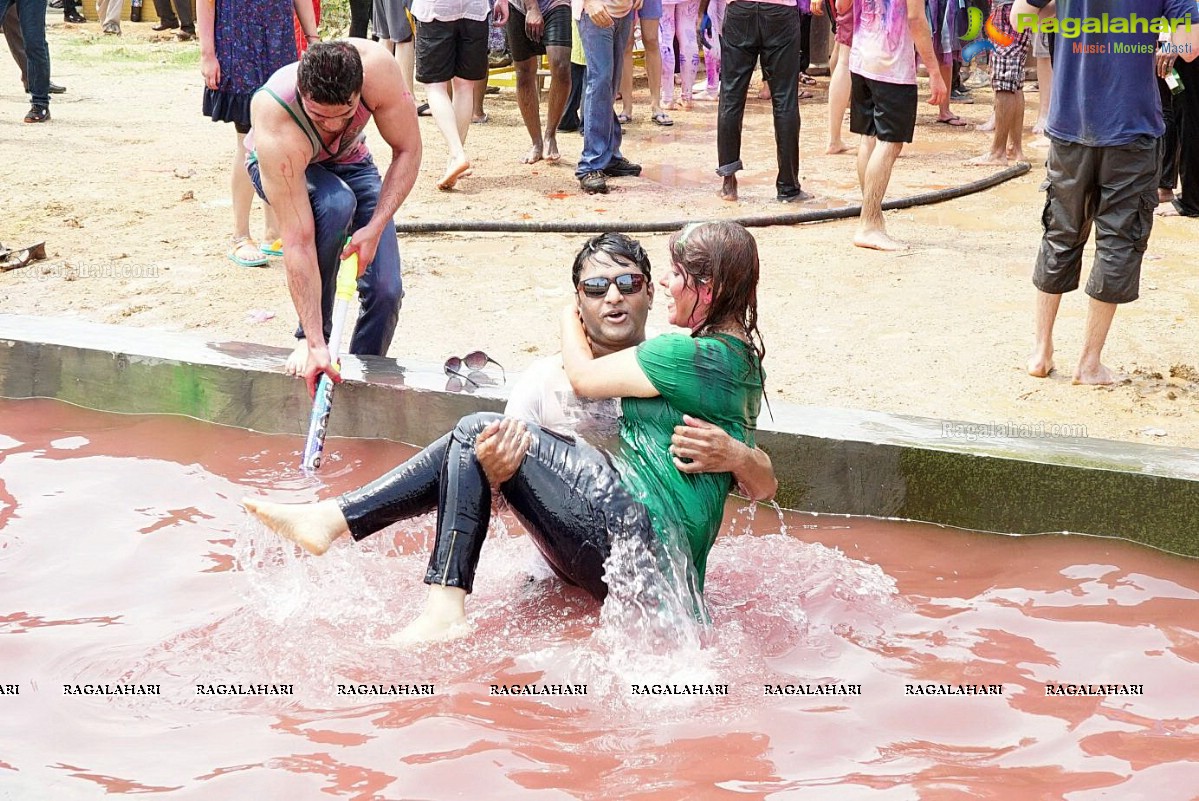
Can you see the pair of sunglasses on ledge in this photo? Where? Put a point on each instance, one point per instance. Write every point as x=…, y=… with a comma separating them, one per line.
x=473, y=362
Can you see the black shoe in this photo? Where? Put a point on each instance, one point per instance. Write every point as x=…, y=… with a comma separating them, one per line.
x=73, y=16
x=37, y=114
x=594, y=183
x=621, y=167
x=796, y=197
x=165, y=26
x=55, y=3
x=55, y=89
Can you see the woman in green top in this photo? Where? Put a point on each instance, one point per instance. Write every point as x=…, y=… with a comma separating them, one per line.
x=576, y=500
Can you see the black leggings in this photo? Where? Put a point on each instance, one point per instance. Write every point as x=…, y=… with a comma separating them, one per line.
x=566, y=493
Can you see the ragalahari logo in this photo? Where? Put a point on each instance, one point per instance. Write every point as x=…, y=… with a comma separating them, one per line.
x=995, y=37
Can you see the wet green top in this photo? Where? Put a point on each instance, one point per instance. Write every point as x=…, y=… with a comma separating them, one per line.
x=715, y=378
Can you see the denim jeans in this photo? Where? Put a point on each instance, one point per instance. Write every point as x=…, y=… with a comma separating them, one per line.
x=770, y=32
x=604, y=48
x=343, y=198
x=37, y=52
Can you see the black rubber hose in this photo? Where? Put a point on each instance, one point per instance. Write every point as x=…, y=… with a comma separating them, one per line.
x=759, y=221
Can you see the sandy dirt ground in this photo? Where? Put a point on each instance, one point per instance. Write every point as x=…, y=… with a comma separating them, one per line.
x=128, y=186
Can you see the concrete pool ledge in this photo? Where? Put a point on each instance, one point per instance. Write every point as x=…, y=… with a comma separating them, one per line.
x=828, y=460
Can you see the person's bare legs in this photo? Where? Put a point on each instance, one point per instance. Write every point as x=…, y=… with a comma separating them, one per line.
x=559, y=93
x=480, y=91
x=528, y=97
x=1009, y=124
x=875, y=161
x=626, y=79
x=1040, y=363
x=1099, y=321
x=945, y=113
x=452, y=117
x=1044, y=93
x=312, y=526
x=242, y=191
x=838, y=101
x=653, y=66
x=443, y=618
x=406, y=56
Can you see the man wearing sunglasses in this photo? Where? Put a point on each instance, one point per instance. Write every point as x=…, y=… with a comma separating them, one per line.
x=307, y=157
x=611, y=275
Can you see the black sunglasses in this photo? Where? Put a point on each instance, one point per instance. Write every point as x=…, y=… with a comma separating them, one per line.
x=473, y=361
x=627, y=283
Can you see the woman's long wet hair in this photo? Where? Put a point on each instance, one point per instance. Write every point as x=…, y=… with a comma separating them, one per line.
x=723, y=256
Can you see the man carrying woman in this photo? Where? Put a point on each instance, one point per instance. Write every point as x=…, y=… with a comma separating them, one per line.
x=577, y=501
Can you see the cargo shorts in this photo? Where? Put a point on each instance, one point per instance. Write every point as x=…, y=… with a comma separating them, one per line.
x=1115, y=188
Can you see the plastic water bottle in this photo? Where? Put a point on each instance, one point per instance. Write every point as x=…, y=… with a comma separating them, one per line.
x=1174, y=81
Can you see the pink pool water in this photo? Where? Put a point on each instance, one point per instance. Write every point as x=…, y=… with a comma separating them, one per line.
x=126, y=560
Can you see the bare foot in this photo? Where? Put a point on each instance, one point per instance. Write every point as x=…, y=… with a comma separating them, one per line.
x=1016, y=155
x=989, y=160
x=877, y=240
x=1165, y=195
x=443, y=618
x=764, y=92
x=728, y=188
x=686, y=104
x=298, y=359
x=312, y=526
x=1040, y=365
x=987, y=126
x=455, y=169
x=533, y=156
x=836, y=148
x=1039, y=128
x=1096, y=376
x=551, y=149
x=1167, y=209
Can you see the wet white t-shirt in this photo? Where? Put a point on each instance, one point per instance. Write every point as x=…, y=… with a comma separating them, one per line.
x=544, y=396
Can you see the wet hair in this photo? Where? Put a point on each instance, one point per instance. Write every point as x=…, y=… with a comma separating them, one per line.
x=615, y=245
x=330, y=73
x=724, y=256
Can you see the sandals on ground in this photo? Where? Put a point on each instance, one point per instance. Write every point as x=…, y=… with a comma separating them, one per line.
x=273, y=249
x=624, y=119
x=662, y=118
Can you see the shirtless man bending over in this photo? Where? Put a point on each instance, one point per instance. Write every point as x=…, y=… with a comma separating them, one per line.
x=307, y=157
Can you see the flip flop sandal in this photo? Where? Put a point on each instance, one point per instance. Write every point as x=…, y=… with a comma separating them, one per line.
x=423, y=110
x=805, y=95
x=956, y=122
x=246, y=254
x=806, y=79
x=273, y=249
x=624, y=119
x=662, y=118
x=16, y=259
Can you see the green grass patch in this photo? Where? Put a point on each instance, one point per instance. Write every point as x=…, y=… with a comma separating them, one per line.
x=111, y=50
